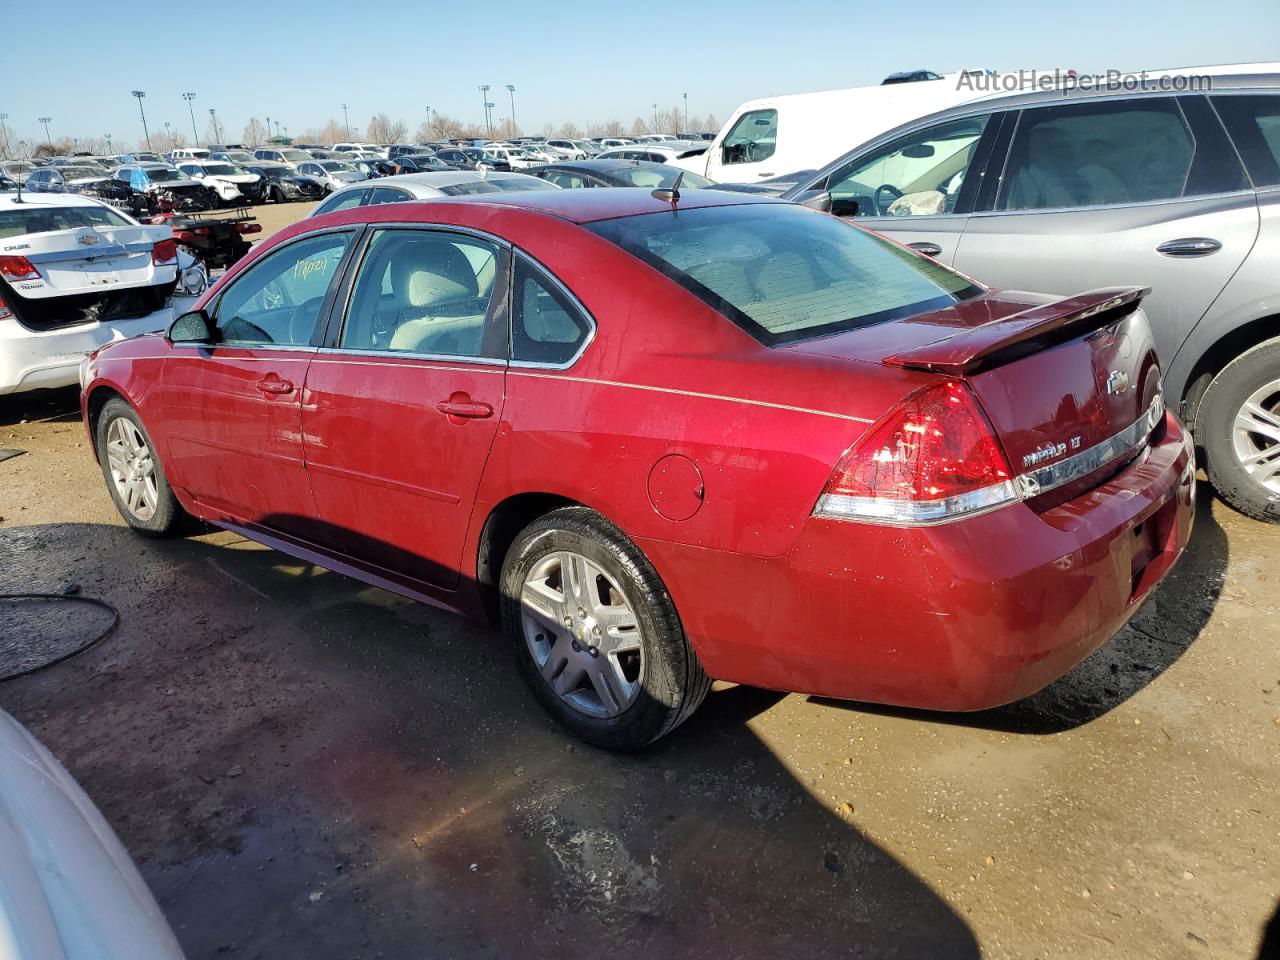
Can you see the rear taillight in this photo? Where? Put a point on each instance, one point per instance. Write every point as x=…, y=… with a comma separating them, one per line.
x=18, y=268
x=248, y=228
x=165, y=253
x=5, y=312
x=932, y=458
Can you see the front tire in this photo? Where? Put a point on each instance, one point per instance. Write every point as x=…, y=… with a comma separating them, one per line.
x=1238, y=426
x=135, y=477
x=595, y=632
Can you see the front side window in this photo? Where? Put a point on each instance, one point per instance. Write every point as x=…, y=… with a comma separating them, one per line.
x=1089, y=154
x=784, y=272
x=753, y=138
x=278, y=300
x=1253, y=120
x=425, y=292
x=342, y=200
x=916, y=175
x=546, y=326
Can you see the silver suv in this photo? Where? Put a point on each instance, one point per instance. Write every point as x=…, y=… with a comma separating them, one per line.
x=1067, y=191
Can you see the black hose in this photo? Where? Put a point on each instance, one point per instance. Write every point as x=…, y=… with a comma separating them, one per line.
x=115, y=619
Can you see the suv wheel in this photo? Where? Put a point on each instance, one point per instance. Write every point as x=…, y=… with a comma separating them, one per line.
x=596, y=634
x=1239, y=428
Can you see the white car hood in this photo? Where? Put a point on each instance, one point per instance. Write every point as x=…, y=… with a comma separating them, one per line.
x=233, y=178
x=68, y=890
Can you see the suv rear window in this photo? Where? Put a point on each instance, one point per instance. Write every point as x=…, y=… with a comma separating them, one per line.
x=17, y=223
x=786, y=273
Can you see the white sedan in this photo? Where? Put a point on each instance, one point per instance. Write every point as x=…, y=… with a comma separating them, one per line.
x=427, y=186
x=76, y=273
x=68, y=889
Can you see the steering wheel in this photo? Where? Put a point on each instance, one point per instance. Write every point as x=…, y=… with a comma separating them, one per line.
x=302, y=321
x=889, y=190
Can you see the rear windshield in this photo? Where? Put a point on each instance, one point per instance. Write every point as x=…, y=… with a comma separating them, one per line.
x=784, y=272
x=17, y=223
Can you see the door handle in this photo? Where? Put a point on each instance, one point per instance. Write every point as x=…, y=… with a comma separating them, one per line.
x=925, y=247
x=273, y=384
x=1190, y=247
x=769, y=174
x=461, y=405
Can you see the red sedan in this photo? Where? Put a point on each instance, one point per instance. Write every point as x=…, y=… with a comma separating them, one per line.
x=663, y=440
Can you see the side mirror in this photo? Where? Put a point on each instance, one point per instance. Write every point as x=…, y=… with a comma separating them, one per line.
x=816, y=200
x=193, y=327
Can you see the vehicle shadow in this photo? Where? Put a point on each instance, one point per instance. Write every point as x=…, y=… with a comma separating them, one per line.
x=1160, y=632
x=306, y=766
x=59, y=405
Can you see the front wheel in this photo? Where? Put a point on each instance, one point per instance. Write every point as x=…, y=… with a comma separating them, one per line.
x=596, y=634
x=135, y=476
x=1238, y=426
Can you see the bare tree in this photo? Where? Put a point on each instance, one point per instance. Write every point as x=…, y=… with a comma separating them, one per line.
x=569, y=132
x=382, y=130
x=711, y=124
x=255, y=133
x=613, y=128
x=639, y=127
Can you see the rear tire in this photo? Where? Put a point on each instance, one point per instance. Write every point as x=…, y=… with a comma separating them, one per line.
x=1243, y=464
x=135, y=477
x=596, y=633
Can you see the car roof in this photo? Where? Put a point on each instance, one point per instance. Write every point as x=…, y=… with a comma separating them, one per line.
x=50, y=200
x=607, y=203
x=602, y=165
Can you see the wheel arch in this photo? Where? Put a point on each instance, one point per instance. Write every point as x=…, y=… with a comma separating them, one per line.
x=1218, y=355
x=99, y=397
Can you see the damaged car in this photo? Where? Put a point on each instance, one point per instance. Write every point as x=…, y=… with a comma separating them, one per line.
x=75, y=273
x=233, y=185
x=87, y=181
x=166, y=189
x=281, y=183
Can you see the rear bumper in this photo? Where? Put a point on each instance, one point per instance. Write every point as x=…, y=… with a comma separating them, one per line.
x=961, y=616
x=35, y=359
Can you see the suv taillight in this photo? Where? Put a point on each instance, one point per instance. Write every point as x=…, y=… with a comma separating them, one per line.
x=165, y=253
x=933, y=458
x=18, y=268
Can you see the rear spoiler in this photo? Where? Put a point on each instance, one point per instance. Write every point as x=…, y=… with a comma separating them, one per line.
x=1027, y=331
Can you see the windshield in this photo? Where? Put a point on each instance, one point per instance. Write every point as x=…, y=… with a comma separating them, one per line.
x=657, y=175
x=296, y=156
x=17, y=223
x=81, y=173
x=275, y=173
x=337, y=165
x=784, y=272
x=240, y=156
x=221, y=170
x=164, y=174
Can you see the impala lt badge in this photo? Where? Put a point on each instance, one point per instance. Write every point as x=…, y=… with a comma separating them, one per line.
x=1117, y=383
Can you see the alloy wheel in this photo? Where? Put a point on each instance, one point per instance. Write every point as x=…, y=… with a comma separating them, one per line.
x=582, y=633
x=1255, y=435
x=133, y=468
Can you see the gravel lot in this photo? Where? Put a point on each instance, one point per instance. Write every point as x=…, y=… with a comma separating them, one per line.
x=304, y=766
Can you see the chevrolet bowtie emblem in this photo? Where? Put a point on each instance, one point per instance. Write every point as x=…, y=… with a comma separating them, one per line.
x=1117, y=383
x=89, y=238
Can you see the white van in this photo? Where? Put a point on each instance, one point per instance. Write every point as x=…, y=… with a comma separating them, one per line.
x=802, y=131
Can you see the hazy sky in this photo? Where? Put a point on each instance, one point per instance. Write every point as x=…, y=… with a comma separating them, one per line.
x=300, y=60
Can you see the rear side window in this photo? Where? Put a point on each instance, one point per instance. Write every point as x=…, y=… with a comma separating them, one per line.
x=1253, y=120
x=546, y=326
x=1089, y=154
x=785, y=273
x=753, y=138
x=342, y=201
x=387, y=195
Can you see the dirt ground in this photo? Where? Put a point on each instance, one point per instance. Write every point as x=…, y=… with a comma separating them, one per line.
x=304, y=766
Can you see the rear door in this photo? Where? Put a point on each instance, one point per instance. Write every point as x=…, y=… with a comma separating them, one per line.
x=404, y=400
x=1142, y=190
x=233, y=408
x=916, y=188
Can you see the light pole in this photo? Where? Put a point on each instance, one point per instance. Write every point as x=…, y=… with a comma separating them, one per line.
x=140, y=94
x=268, y=129
x=655, y=118
x=195, y=137
x=168, y=134
x=4, y=132
x=345, y=122
x=428, y=121
x=686, y=110
x=47, y=138
x=511, y=91
x=484, y=98
x=107, y=137
x=213, y=118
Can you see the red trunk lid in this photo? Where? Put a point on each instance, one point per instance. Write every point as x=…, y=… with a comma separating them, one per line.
x=1055, y=378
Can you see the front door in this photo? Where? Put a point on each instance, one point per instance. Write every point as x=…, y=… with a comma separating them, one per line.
x=1141, y=192
x=912, y=189
x=404, y=406
x=233, y=408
